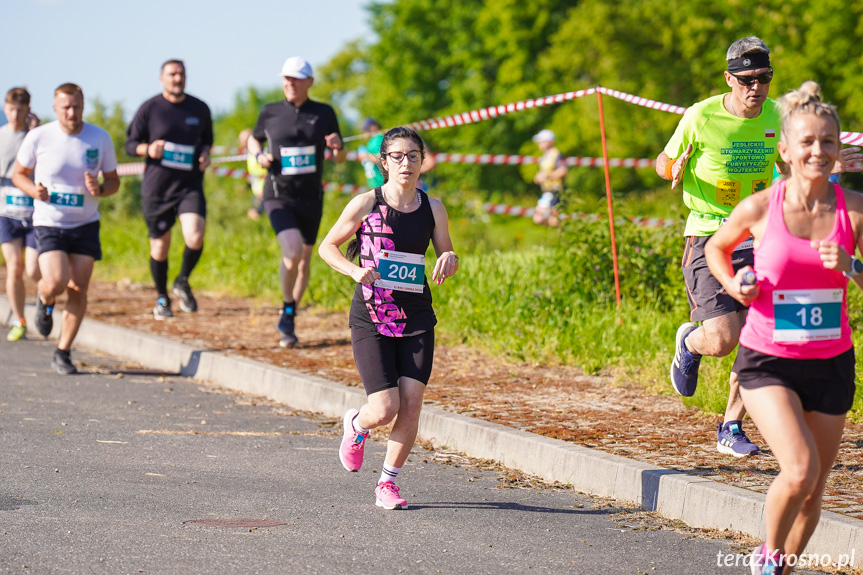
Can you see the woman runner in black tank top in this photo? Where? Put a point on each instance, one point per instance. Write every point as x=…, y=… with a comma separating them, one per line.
x=392, y=320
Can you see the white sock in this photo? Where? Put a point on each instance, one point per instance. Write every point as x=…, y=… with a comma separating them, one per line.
x=389, y=473
x=357, y=427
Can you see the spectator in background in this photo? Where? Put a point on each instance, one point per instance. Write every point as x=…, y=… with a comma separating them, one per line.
x=549, y=178
x=370, y=152
x=257, y=175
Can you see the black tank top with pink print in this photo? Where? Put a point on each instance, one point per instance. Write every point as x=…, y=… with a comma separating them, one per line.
x=387, y=311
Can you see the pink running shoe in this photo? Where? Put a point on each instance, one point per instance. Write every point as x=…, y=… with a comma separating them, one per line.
x=387, y=496
x=353, y=443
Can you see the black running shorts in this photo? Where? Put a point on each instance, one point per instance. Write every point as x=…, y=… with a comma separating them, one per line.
x=707, y=298
x=161, y=215
x=306, y=219
x=824, y=385
x=382, y=360
x=83, y=240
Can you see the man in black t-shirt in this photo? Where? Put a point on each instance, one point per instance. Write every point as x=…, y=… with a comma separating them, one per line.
x=174, y=132
x=296, y=130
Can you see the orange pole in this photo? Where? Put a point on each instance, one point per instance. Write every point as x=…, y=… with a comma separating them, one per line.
x=608, y=197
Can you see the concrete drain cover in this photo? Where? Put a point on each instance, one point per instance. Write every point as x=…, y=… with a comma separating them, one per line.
x=244, y=523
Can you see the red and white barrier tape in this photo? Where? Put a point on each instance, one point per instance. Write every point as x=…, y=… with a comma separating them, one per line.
x=503, y=209
x=850, y=138
x=491, y=112
x=137, y=168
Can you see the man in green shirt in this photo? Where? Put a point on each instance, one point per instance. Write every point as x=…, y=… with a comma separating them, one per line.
x=723, y=150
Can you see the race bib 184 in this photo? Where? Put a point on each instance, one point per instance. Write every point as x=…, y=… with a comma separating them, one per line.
x=298, y=160
x=401, y=271
x=807, y=315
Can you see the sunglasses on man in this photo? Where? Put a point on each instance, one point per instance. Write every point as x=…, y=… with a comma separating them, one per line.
x=762, y=79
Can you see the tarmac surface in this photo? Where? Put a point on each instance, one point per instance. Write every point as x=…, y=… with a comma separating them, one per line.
x=122, y=470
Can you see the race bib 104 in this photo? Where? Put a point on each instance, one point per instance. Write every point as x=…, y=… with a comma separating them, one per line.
x=298, y=160
x=807, y=315
x=178, y=156
x=401, y=271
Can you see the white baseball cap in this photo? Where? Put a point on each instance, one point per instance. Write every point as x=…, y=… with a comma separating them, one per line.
x=544, y=136
x=296, y=67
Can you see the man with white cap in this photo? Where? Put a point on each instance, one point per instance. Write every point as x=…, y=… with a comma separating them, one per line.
x=549, y=178
x=296, y=130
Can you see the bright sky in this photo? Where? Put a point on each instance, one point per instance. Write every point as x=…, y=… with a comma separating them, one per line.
x=113, y=48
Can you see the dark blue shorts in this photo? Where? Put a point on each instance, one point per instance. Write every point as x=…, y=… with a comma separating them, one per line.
x=83, y=240
x=12, y=229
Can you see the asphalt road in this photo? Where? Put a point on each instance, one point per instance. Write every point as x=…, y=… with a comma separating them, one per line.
x=108, y=472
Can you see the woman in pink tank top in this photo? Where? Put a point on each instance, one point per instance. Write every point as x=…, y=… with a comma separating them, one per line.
x=796, y=359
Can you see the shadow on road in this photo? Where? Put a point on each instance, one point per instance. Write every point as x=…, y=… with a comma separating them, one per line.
x=10, y=503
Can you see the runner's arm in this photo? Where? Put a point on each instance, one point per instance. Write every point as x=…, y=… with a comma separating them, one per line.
x=672, y=169
x=850, y=160
x=447, y=261
x=337, y=147
x=832, y=255
x=739, y=226
x=22, y=179
x=346, y=227
x=110, y=184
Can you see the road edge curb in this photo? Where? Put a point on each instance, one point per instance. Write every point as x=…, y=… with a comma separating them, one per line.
x=696, y=501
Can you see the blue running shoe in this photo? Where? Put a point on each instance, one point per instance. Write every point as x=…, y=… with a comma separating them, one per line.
x=732, y=440
x=684, y=366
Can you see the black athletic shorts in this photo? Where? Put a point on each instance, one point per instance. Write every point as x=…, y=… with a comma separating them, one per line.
x=161, y=215
x=306, y=219
x=382, y=360
x=707, y=298
x=83, y=240
x=824, y=385
x=12, y=229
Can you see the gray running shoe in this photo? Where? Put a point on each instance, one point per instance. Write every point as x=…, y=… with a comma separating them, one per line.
x=62, y=362
x=162, y=311
x=286, y=326
x=288, y=340
x=187, y=301
x=44, y=318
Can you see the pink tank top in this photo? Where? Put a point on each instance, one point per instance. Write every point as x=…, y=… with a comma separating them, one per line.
x=800, y=312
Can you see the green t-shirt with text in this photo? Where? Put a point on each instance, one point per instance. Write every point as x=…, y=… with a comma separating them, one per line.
x=731, y=158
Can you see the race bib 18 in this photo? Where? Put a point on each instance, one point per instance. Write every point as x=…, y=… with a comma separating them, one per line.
x=401, y=271
x=807, y=315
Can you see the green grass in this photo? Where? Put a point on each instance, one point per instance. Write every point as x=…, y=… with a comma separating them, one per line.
x=524, y=292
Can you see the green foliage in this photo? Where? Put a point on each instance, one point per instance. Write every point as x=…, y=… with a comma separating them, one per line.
x=127, y=200
x=528, y=292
